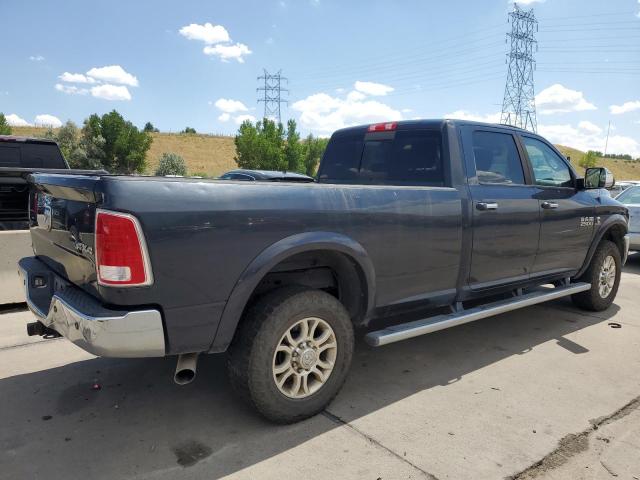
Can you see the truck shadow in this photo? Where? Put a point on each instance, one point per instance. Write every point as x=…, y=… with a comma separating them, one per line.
x=112, y=418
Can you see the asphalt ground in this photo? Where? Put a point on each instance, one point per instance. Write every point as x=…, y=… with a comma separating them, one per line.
x=549, y=391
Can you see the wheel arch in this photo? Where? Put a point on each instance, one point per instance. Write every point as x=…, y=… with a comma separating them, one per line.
x=614, y=228
x=330, y=242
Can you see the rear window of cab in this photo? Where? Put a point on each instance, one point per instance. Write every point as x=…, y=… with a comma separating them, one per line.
x=403, y=157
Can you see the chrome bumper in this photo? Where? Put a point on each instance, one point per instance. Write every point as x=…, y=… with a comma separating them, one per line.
x=633, y=241
x=80, y=318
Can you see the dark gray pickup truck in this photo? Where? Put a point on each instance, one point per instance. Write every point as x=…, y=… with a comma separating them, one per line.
x=434, y=223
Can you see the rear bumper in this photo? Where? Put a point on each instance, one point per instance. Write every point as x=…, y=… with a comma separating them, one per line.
x=80, y=318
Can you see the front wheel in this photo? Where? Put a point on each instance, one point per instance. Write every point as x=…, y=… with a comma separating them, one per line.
x=604, y=275
x=291, y=353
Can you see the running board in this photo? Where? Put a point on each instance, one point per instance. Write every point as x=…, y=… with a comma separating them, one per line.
x=416, y=328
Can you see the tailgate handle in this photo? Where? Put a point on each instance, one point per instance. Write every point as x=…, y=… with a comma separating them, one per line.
x=549, y=205
x=487, y=206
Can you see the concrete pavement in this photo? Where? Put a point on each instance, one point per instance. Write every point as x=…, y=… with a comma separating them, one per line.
x=525, y=394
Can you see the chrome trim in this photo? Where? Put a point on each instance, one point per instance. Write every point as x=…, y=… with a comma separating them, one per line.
x=143, y=244
x=120, y=334
x=424, y=326
x=630, y=240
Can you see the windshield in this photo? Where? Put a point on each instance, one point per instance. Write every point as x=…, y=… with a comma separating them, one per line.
x=630, y=196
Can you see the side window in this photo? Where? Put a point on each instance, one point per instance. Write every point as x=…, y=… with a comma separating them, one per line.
x=549, y=169
x=497, y=159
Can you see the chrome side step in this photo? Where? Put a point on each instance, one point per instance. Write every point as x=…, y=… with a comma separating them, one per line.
x=416, y=328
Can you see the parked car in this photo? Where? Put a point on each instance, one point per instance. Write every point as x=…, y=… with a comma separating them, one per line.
x=265, y=176
x=415, y=216
x=20, y=156
x=620, y=187
x=630, y=198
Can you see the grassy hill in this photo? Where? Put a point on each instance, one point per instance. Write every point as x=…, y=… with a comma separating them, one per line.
x=622, y=169
x=213, y=155
x=208, y=154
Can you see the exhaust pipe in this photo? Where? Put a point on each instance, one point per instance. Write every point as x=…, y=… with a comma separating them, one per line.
x=186, y=368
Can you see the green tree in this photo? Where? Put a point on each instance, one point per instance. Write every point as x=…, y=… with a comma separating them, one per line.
x=314, y=149
x=588, y=160
x=293, y=149
x=261, y=146
x=125, y=147
x=68, y=138
x=189, y=130
x=5, y=128
x=149, y=128
x=171, y=164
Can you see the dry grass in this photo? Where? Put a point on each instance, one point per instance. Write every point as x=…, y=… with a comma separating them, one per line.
x=213, y=155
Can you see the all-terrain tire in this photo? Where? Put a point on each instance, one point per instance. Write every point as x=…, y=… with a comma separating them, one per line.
x=598, y=297
x=251, y=360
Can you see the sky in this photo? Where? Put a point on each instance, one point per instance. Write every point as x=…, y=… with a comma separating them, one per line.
x=196, y=63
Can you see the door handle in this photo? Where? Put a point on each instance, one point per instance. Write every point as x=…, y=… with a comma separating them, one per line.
x=487, y=206
x=549, y=205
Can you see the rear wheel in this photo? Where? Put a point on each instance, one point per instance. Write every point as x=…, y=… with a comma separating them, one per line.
x=604, y=275
x=291, y=353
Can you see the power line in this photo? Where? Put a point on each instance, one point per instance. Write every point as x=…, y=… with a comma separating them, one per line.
x=518, y=106
x=272, y=91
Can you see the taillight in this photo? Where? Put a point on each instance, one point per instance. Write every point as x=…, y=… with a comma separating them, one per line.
x=383, y=127
x=121, y=253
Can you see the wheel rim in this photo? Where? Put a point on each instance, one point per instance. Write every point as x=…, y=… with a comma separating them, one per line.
x=607, y=277
x=304, y=357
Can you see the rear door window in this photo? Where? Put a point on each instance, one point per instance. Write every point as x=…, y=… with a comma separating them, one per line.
x=497, y=159
x=408, y=157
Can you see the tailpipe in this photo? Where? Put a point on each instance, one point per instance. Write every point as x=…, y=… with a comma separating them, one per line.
x=186, y=368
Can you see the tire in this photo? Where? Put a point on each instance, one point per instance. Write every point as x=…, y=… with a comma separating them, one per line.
x=253, y=363
x=599, y=297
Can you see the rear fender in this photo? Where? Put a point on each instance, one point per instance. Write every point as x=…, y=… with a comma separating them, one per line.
x=273, y=255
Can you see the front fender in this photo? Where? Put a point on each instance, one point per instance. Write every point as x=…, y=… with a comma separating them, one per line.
x=611, y=221
x=276, y=253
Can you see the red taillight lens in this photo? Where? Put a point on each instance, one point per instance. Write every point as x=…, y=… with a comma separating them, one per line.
x=121, y=256
x=383, y=127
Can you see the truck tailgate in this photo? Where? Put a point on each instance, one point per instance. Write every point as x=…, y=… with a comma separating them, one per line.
x=62, y=221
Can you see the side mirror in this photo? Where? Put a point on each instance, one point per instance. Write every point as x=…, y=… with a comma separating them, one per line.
x=598, y=177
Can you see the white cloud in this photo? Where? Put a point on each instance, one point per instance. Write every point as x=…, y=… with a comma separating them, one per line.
x=207, y=33
x=589, y=127
x=560, y=99
x=406, y=110
x=36, y=58
x=372, y=88
x=15, y=121
x=323, y=113
x=217, y=40
x=46, y=120
x=71, y=89
x=355, y=96
x=113, y=74
x=230, y=106
x=241, y=118
x=226, y=52
x=475, y=117
x=224, y=117
x=111, y=92
x=585, y=137
x=625, y=107
x=75, y=78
